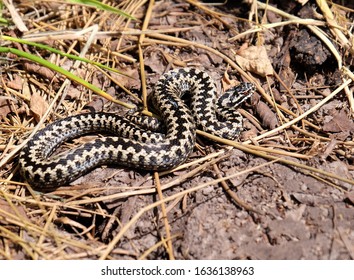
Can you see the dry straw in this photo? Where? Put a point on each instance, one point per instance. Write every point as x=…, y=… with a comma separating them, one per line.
x=28, y=217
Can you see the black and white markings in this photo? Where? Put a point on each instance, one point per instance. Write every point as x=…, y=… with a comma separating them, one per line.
x=133, y=144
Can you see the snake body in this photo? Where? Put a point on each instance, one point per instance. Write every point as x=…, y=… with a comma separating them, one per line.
x=133, y=144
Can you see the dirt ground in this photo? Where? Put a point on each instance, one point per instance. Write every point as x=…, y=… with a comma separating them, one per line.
x=283, y=190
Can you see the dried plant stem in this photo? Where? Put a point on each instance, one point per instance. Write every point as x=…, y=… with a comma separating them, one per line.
x=169, y=246
x=302, y=116
x=104, y=254
x=247, y=149
x=232, y=194
x=141, y=56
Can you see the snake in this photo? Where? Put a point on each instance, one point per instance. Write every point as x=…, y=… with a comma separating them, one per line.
x=185, y=99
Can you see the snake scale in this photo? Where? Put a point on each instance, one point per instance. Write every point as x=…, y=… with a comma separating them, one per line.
x=133, y=141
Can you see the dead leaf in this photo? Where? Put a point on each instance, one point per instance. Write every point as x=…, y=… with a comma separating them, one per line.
x=350, y=196
x=153, y=58
x=74, y=93
x=288, y=77
x=269, y=118
x=41, y=70
x=7, y=209
x=38, y=105
x=255, y=60
x=339, y=123
x=227, y=83
x=16, y=83
x=329, y=148
x=5, y=106
x=130, y=80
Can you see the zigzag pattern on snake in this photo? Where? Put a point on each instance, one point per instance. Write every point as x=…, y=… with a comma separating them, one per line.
x=132, y=143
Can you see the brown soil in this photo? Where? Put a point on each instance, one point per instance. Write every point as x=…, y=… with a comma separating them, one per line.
x=289, y=194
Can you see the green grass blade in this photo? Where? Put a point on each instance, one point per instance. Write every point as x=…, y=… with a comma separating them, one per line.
x=3, y=21
x=99, y=5
x=53, y=50
x=64, y=72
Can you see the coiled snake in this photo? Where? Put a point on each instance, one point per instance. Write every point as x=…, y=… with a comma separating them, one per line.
x=136, y=143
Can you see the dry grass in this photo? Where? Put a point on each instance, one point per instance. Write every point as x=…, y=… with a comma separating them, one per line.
x=32, y=223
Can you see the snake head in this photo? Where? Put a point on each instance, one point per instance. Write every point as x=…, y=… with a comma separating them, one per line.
x=235, y=96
